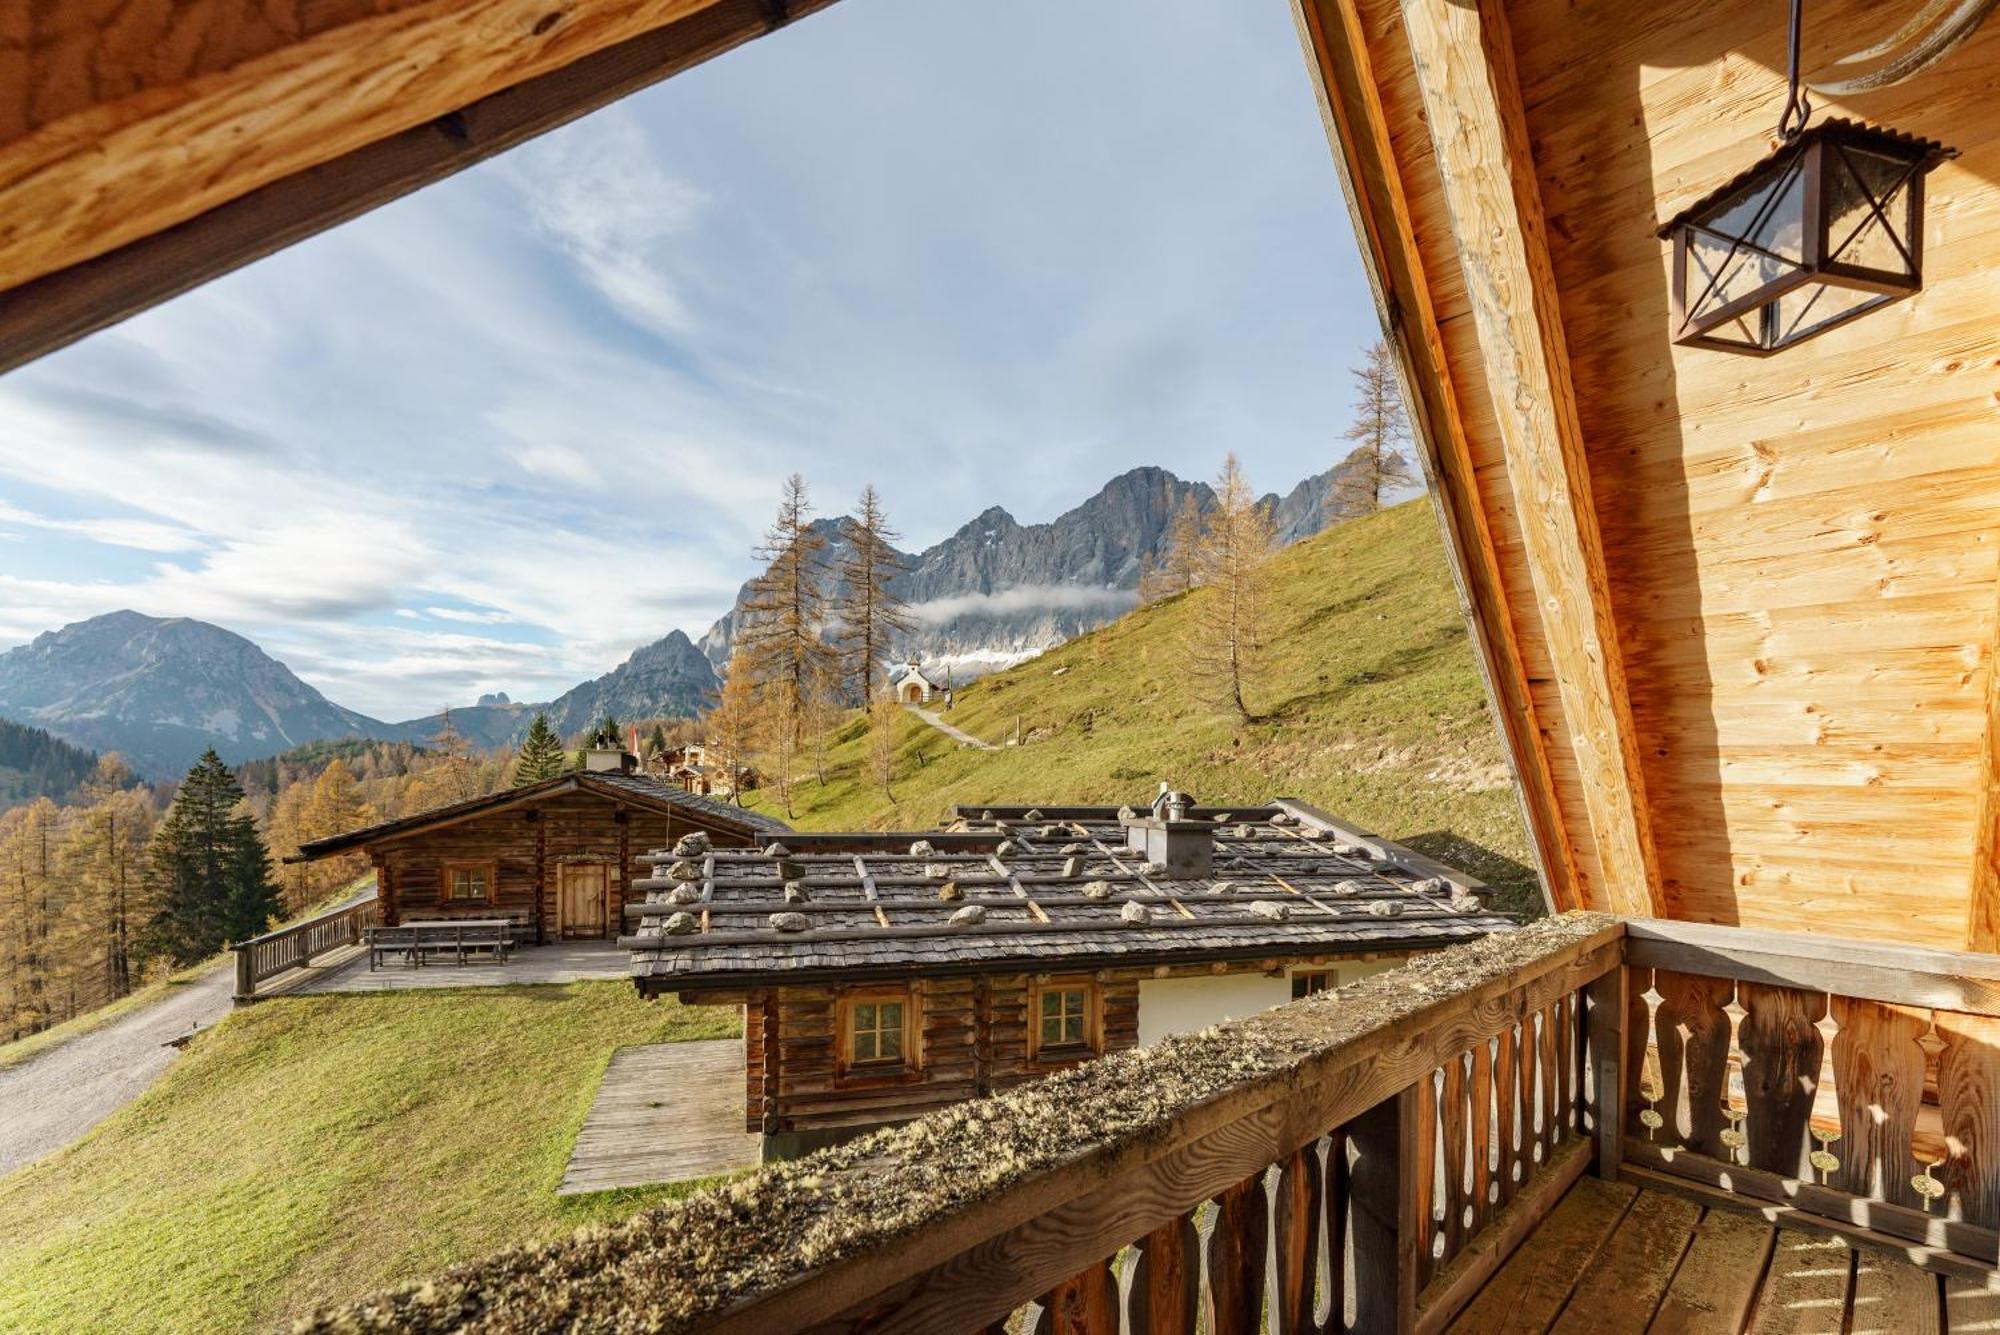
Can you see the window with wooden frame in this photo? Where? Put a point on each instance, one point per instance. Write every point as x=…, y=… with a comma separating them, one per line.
x=1064, y=1019
x=878, y=1030
x=467, y=882
x=1308, y=981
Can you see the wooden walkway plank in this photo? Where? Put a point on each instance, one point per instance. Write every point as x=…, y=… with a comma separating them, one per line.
x=1713, y=1289
x=665, y=1112
x=1806, y=1291
x=1970, y=1306
x=1624, y=1283
x=1893, y=1297
x=1535, y=1284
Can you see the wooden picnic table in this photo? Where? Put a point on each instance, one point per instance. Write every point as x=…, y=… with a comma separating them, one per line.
x=419, y=939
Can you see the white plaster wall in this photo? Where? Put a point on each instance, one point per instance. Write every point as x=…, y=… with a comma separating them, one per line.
x=1170, y=1006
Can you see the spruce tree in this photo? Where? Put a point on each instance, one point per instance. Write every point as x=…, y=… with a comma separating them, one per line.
x=208, y=869
x=542, y=755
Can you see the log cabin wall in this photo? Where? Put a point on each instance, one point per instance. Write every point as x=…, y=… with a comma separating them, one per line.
x=1796, y=554
x=974, y=1040
x=527, y=848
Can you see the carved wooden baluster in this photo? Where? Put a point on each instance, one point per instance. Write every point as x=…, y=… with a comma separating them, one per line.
x=1506, y=1102
x=1423, y=1159
x=1479, y=1088
x=1451, y=1124
x=1643, y=1085
x=1551, y=1110
x=1878, y=1076
x=1780, y=1040
x=1337, y=1191
x=1524, y=1098
x=1565, y=1010
x=1165, y=1295
x=1086, y=1304
x=1693, y=1034
x=1297, y=1216
x=1969, y=1102
x=1236, y=1259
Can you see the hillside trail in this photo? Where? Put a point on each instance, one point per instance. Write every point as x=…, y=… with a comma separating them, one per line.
x=50, y=1101
x=962, y=738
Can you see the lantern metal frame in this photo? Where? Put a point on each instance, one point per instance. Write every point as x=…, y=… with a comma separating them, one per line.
x=1812, y=156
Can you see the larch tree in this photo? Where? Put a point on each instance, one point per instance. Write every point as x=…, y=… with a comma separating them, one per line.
x=732, y=723
x=884, y=718
x=871, y=614
x=103, y=859
x=208, y=869
x=542, y=755
x=1377, y=465
x=1179, y=568
x=1228, y=620
x=789, y=661
x=28, y=887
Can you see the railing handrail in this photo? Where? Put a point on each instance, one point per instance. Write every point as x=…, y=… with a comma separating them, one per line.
x=262, y=957
x=956, y=1220
x=1901, y=975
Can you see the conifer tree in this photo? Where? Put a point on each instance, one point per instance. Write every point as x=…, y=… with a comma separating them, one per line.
x=542, y=755
x=870, y=613
x=208, y=869
x=732, y=723
x=1377, y=464
x=1180, y=564
x=1228, y=625
x=788, y=663
x=883, y=720
x=103, y=860
x=658, y=741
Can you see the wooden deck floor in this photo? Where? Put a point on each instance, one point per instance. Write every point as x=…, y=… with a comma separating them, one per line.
x=347, y=970
x=1612, y=1257
x=666, y=1112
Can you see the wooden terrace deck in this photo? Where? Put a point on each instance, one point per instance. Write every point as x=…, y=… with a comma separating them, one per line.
x=666, y=1112
x=346, y=970
x=1613, y=1257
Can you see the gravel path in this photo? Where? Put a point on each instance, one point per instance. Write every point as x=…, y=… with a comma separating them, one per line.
x=49, y=1101
x=963, y=738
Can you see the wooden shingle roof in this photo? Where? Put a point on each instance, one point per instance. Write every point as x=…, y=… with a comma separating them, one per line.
x=1053, y=887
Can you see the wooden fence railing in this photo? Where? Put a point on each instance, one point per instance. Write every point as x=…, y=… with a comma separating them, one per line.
x=1396, y=1156
x=293, y=946
x=1856, y=1087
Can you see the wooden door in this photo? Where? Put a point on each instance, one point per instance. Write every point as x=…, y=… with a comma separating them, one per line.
x=581, y=891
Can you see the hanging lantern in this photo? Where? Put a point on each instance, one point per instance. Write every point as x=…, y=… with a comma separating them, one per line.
x=1828, y=227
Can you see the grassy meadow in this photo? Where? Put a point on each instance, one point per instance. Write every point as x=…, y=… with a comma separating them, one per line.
x=314, y=1148
x=1367, y=700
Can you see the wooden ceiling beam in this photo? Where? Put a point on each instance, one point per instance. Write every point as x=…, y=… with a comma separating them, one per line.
x=1357, y=126
x=1463, y=60
x=101, y=223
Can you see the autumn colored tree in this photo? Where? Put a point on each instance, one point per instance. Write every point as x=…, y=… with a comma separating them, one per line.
x=732, y=723
x=103, y=860
x=884, y=718
x=1179, y=568
x=780, y=637
x=1377, y=464
x=870, y=612
x=1227, y=626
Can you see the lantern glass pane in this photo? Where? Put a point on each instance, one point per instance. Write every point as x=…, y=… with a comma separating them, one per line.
x=1859, y=182
x=1804, y=311
x=1754, y=239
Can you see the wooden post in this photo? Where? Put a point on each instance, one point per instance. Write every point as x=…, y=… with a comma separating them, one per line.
x=246, y=976
x=614, y=908
x=541, y=876
x=768, y=1108
x=1386, y=1231
x=1604, y=1034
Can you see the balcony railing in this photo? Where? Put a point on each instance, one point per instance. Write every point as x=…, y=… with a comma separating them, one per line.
x=294, y=945
x=1357, y=1161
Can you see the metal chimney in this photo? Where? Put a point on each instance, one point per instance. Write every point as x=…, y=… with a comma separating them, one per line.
x=1168, y=836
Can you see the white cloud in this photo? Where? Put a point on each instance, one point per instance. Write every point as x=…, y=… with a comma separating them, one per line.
x=558, y=463
x=1022, y=598
x=469, y=616
x=139, y=534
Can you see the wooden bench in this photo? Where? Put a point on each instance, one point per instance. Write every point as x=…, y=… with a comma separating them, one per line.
x=420, y=942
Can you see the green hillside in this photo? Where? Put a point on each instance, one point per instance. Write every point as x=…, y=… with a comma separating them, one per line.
x=1368, y=703
x=309, y=1149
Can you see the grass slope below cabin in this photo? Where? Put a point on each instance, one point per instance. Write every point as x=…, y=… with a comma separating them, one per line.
x=1368, y=702
x=310, y=1149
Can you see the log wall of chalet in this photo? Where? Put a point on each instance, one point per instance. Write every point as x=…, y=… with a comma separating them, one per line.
x=974, y=1041
x=527, y=849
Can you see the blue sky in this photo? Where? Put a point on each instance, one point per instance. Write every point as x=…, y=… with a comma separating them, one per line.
x=495, y=435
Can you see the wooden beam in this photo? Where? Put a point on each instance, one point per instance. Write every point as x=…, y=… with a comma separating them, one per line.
x=68, y=271
x=1463, y=61
x=1982, y=919
x=1900, y=975
x=1350, y=104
